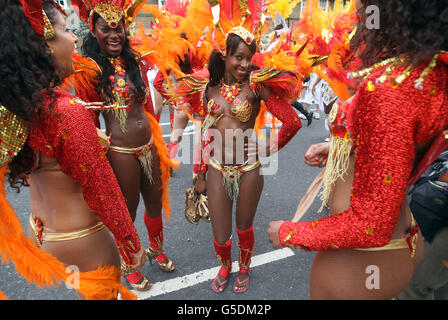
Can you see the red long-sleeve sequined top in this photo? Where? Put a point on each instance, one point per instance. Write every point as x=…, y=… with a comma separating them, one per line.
x=68, y=134
x=388, y=120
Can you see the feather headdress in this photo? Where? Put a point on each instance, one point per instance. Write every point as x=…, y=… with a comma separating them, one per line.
x=112, y=11
x=328, y=36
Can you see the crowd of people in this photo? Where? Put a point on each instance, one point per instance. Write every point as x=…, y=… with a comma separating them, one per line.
x=81, y=131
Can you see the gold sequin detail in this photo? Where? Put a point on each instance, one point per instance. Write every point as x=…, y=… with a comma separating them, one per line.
x=347, y=136
x=288, y=237
x=393, y=83
x=369, y=231
x=420, y=81
x=334, y=112
x=13, y=135
x=388, y=178
x=109, y=12
x=241, y=110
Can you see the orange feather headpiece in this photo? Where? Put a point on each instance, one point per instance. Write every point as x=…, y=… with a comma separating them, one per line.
x=242, y=18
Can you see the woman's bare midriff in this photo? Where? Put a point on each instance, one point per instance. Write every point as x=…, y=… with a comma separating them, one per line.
x=137, y=126
x=233, y=133
x=57, y=201
x=350, y=274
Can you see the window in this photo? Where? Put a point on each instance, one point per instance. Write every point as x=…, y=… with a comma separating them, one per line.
x=161, y=2
x=63, y=3
x=323, y=4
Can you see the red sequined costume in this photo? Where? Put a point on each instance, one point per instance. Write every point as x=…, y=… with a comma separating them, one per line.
x=85, y=84
x=386, y=118
x=71, y=138
x=64, y=132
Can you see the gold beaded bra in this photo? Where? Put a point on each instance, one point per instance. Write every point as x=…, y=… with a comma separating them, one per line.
x=241, y=110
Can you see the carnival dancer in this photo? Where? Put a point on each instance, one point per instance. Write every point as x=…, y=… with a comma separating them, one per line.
x=231, y=93
x=377, y=138
x=49, y=142
x=171, y=19
x=137, y=151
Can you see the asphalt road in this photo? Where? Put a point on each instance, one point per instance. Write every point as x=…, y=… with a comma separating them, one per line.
x=191, y=247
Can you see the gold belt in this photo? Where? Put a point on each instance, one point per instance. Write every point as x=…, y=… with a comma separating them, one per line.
x=42, y=236
x=231, y=176
x=135, y=151
x=410, y=242
x=143, y=154
x=229, y=168
x=392, y=245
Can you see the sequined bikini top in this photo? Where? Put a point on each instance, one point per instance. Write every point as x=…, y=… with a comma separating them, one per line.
x=240, y=110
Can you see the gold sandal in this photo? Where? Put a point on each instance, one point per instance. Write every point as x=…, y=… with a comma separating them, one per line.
x=202, y=208
x=165, y=266
x=144, y=285
x=191, y=213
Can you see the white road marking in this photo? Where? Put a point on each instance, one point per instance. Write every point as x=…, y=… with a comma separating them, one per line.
x=193, y=279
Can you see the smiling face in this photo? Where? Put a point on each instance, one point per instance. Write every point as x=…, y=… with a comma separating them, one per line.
x=62, y=46
x=238, y=64
x=110, y=40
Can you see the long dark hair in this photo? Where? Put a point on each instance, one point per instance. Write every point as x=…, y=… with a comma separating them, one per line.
x=26, y=69
x=418, y=28
x=216, y=66
x=92, y=49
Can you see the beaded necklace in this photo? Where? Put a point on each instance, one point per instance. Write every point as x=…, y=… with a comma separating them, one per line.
x=395, y=81
x=120, y=89
x=230, y=92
